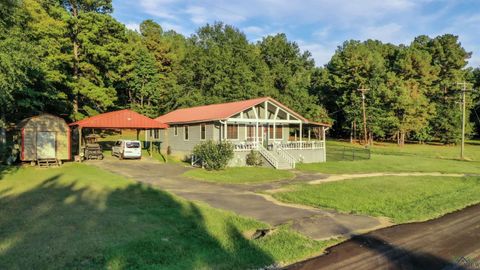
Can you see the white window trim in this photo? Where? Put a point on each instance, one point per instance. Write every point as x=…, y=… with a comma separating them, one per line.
x=201, y=132
x=185, y=133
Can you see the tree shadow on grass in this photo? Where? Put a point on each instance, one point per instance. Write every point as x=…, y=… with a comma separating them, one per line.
x=59, y=225
x=385, y=255
x=4, y=170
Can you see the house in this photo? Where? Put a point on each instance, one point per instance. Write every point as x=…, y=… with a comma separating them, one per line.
x=44, y=140
x=282, y=136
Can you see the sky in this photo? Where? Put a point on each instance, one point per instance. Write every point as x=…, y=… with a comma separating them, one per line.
x=319, y=26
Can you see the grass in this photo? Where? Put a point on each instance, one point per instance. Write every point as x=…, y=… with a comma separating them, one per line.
x=411, y=158
x=392, y=163
x=402, y=199
x=81, y=217
x=240, y=175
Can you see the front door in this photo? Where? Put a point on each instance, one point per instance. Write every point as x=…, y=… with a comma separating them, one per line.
x=265, y=136
x=46, y=145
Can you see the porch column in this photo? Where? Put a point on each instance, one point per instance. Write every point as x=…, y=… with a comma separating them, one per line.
x=301, y=131
x=151, y=141
x=274, y=131
x=309, y=132
x=79, y=142
x=225, y=131
x=263, y=133
x=256, y=135
x=324, y=145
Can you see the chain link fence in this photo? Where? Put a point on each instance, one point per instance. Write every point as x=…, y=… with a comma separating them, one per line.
x=345, y=153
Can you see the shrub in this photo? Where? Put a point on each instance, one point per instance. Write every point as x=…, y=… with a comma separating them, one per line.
x=254, y=159
x=214, y=155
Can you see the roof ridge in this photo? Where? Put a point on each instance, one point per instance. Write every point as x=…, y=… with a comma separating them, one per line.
x=223, y=103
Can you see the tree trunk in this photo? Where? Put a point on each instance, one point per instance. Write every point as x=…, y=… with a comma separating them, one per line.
x=351, y=133
x=402, y=138
x=75, y=59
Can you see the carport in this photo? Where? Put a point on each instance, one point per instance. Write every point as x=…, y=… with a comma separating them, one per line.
x=123, y=119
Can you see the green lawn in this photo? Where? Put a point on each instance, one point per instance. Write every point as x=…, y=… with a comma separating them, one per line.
x=240, y=175
x=402, y=199
x=411, y=158
x=81, y=217
x=394, y=163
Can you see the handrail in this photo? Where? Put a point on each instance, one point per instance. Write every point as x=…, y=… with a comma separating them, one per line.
x=268, y=156
x=286, y=155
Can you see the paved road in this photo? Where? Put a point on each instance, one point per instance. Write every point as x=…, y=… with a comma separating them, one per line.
x=449, y=242
x=242, y=199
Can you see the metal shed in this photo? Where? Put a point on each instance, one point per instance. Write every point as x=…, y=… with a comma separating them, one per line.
x=44, y=139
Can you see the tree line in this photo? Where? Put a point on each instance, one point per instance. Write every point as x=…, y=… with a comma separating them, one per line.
x=72, y=58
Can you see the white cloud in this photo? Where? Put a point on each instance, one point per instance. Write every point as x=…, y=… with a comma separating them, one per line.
x=391, y=32
x=322, y=53
x=175, y=27
x=159, y=8
x=253, y=30
x=133, y=26
x=322, y=33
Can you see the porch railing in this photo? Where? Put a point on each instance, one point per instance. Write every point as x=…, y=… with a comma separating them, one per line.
x=268, y=156
x=291, y=145
x=245, y=146
x=302, y=145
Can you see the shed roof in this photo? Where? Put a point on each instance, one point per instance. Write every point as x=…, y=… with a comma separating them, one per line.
x=123, y=119
x=26, y=121
x=222, y=111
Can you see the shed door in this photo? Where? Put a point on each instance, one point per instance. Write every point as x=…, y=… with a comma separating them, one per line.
x=46, y=145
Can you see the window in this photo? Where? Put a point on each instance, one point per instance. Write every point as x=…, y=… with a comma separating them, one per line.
x=133, y=145
x=154, y=133
x=232, y=132
x=175, y=130
x=203, y=131
x=250, y=133
x=278, y=132
x=185, y=133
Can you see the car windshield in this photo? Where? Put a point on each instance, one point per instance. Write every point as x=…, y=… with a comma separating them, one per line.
x=133, y=145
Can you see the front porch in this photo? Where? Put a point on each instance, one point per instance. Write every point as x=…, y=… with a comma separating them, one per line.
x=282, y=136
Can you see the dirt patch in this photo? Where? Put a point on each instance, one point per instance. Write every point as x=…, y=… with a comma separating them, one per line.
x=340, y=177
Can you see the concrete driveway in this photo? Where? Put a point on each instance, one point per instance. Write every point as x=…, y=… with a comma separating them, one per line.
x=243, y=199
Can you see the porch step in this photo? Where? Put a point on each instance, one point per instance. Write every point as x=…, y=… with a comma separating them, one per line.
x=45, y=163
x=276, y=160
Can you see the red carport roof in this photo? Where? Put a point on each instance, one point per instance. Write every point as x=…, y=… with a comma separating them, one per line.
x=123, y=119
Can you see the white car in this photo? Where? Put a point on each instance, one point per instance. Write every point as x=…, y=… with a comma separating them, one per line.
x=127, y=149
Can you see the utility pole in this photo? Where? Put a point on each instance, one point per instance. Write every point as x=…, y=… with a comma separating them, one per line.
x=365, y=136
x=464, y=90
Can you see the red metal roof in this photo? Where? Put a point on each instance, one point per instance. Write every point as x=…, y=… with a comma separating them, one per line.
x=221, y=111
x=123, y=119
